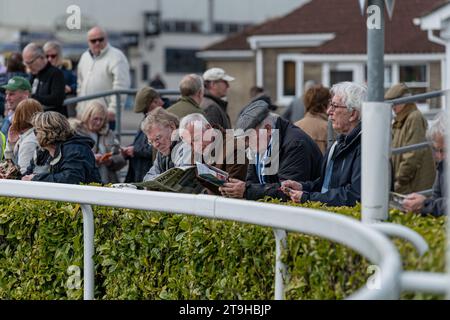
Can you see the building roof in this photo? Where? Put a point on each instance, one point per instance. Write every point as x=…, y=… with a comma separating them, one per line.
x=344, y=19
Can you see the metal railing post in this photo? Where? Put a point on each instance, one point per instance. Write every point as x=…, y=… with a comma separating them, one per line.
x=88, y=240
x=118, y=116
x=280, y=267
x=375, y=149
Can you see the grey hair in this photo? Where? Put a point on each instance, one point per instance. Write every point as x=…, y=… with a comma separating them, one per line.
x=352, y=94
x=191, y=84
x=438, y=126
x=35, y=49
x=270, y=120
x=55, y=45
x=192, y=119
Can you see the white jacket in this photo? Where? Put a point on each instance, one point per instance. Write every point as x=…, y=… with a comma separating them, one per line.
x=24, y=150
x=108, y=71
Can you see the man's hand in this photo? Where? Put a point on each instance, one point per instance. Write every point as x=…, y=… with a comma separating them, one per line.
x=414, y=202
x=234, y=188
x=128, y=151
x=28, y=177
x=289, y=185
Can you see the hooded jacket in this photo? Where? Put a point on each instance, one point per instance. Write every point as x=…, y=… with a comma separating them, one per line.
x=73, y=163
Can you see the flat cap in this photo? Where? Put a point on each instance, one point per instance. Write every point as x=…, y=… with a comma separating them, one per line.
x=17, y=83
x=252, y=115
x=397, y=91
x=143, y=98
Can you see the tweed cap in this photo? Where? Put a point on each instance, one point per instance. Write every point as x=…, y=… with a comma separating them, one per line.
x=143, y=98
x=397, y=91
x=252, y=115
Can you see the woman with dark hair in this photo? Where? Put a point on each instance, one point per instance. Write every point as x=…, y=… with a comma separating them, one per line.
x=70, y=157
x=315, y=121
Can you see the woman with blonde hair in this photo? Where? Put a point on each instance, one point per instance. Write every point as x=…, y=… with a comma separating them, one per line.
x=25, y=147
x=94, y=124
x=70, y=158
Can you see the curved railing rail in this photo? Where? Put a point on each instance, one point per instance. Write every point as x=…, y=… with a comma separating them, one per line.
x=350, y=232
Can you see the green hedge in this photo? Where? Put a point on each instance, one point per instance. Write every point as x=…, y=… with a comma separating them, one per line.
x=151, y=255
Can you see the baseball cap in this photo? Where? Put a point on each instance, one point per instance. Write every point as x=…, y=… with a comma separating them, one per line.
x=143, y=98
x=17, y=83
x=215, y=74
x=252, y=115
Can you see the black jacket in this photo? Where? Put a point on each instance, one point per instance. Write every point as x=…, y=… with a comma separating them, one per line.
x=73, y=163
x=345, y=183
x=216, y=111
x=437, y=204
x=299, y=159
x=142, y=160
x=50, y=89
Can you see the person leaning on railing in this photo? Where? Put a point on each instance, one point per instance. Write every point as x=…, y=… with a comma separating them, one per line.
x=340, y=181
x=437, y=204
x=69, y=156
x=160, y=127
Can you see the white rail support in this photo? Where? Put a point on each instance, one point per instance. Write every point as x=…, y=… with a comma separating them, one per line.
x=375, y=149
x=280, y=267
x=399, y=231
x=436, y=283
x=88, y=238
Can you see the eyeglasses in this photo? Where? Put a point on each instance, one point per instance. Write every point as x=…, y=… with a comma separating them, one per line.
x=333, y=106
x=156, y=140
x=96, y=40
x=51, y=56
x=28, y=63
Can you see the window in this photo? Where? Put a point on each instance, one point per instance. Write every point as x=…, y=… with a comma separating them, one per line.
x=340, y=76
x=181, y=26
x=228, y=27
x=414, y=75
x=183, y=61
x=289, y=78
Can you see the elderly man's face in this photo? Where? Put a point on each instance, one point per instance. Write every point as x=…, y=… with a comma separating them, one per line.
x=439, y=149
x=339, y=115
x=219, y=88
x=13, y=98
x=260, y=141
x=97, y=41
x=196, y=137
x=159, y=136
x=33, y=61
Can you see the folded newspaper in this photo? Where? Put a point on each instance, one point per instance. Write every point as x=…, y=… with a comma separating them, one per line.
x=211, y=174
x=179, y=179
x=396, y=200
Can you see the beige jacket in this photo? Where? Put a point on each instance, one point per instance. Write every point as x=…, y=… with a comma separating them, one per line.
x=414, y=171
x=316, y=127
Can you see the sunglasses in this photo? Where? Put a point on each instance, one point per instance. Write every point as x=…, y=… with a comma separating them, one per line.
x=100, y=40
x=51, y=56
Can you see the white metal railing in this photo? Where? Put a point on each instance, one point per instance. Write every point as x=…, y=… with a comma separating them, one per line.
x=361, y=237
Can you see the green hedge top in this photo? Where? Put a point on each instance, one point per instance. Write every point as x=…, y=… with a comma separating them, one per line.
x=151, y=255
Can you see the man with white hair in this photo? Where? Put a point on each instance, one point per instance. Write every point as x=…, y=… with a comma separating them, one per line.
x=101, y=68
x=209, y=145
x=280, y=150
x=340, y=181
x=47, y=81
x=437, y=204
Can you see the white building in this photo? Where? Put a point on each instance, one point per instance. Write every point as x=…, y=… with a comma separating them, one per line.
x=157, y=36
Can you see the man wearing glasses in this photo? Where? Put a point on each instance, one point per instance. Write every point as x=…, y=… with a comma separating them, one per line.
x=101, y=68
x=47, y=81
x=340, y=181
